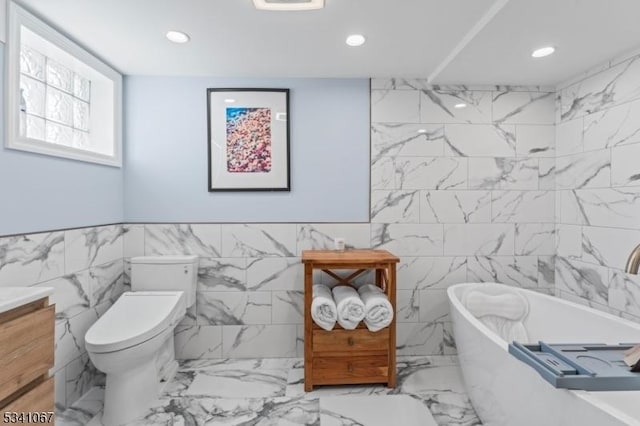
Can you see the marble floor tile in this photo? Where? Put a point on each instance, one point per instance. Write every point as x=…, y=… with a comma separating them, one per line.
x=374, y=411
x=270, y=392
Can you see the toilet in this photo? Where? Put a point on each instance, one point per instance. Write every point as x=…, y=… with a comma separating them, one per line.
x=133, y=341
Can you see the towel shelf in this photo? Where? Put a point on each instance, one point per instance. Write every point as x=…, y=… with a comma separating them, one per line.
x=349, y=356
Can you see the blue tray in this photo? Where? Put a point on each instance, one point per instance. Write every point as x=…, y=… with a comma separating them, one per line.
x=591, y=367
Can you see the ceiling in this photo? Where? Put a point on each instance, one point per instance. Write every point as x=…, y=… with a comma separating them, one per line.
x=452, y=41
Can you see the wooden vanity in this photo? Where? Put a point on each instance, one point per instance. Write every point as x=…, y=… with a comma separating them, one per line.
x=344, y=356
x=26, y=355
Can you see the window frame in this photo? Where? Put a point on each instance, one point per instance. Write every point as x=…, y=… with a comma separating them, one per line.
x=19, y=17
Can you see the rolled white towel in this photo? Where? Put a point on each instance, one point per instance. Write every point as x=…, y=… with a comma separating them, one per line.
x=350, y=306
x=378, y=312
x=323, y=308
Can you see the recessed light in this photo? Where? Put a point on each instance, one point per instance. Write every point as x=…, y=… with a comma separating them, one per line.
x=460, y=105
x=229, y=100
x=177, y=36
x=288, y=5
x=543, y=51
x=422, y=131
x=355, y=40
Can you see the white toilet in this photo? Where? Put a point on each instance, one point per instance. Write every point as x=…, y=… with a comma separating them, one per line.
x=133, y=341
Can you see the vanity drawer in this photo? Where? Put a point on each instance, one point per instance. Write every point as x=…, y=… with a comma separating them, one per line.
x=27, y=349
x=350, y=369
x=349, y=341
x=40, y=399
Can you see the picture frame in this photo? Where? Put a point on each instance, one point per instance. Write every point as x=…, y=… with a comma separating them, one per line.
x=248, y=139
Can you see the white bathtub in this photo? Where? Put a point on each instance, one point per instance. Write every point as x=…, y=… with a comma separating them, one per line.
x=506, y=392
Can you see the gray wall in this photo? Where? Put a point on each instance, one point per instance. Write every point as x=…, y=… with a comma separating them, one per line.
x=42, y=193
x=598, y=192
x=166, y=153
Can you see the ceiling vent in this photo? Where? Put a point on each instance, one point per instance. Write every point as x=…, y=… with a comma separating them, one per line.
x=288, y=5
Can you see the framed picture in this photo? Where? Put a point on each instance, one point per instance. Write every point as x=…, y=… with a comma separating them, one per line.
x=248, y=139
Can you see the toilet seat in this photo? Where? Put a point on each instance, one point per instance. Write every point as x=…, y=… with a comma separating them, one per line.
x=135, y=318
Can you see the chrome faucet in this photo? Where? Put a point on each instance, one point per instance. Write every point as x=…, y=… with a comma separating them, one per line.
x=633, y=263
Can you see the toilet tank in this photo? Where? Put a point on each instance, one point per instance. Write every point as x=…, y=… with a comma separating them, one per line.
x=161, y=273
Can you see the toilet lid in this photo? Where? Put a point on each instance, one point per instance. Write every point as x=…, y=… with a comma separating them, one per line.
x=135, y=318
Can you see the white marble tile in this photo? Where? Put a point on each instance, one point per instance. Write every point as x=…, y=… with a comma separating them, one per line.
x=613, y=127
x=260, y=240
x=584, y=280
x=71, y=294
x=395, y=106
x=511, y=107
x=535, y=140
x=222, y=274
x=82, y=413
x=503, y=173
x=601, y=91
x=535, y=239
x=60, y=391
x=198, y=342
x=69, y=336
x=421, y=273
x=408, y=240
x=32, y=258
x=455, y=207
x=133, y=240
x=88, y=247
x=374, y=411
x=197, y=239
x=547, y=273
x=233, y=308
x=383, y=173
x=437, y=105
x=320, y=236
x=586, y=170
x=568, y=208
x=407, y=306
x=419, y=339
x=523, y=206
x=569, y=241
x=288, y=307
x=399, y=83
x=569, y=137
x=406, y=140
x=547, y=174
x=480, y=140
x=625, y=170
x=431, y=173
x=259, y=341
x=106, y=282
x=608, y=246
x=434, y=306
x=616, y=208
x=277, y=273
x=479, y=239
x=395, y=206
x=80, y=377
x=518, y=271
x=624, y=292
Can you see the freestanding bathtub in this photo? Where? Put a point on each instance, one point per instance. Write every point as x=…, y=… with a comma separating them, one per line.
x=506, y=392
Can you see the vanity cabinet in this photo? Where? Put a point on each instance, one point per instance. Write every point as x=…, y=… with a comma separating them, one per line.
x=344, y=356
x=26, y=355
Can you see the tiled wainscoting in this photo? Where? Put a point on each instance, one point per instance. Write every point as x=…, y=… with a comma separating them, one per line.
x=85, y=267
x=598, y=187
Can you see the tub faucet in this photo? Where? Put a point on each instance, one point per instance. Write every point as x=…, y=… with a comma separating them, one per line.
x=633, y=263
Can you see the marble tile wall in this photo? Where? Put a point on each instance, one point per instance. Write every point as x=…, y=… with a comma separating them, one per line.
x=85, y=268
x=461, y=194
x=598, y=197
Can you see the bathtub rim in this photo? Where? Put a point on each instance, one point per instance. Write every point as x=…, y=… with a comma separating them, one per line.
x=590, y=397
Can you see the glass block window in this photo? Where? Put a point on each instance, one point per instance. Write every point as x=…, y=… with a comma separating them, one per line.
x=62, y=100
x=55, y=101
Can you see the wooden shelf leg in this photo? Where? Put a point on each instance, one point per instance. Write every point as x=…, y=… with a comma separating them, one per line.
x=308, y=328
x=391, y=292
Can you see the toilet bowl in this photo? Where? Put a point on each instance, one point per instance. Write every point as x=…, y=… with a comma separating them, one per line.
x=126, y=342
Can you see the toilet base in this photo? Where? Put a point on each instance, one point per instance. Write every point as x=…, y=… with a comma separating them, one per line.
x=128, y=397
